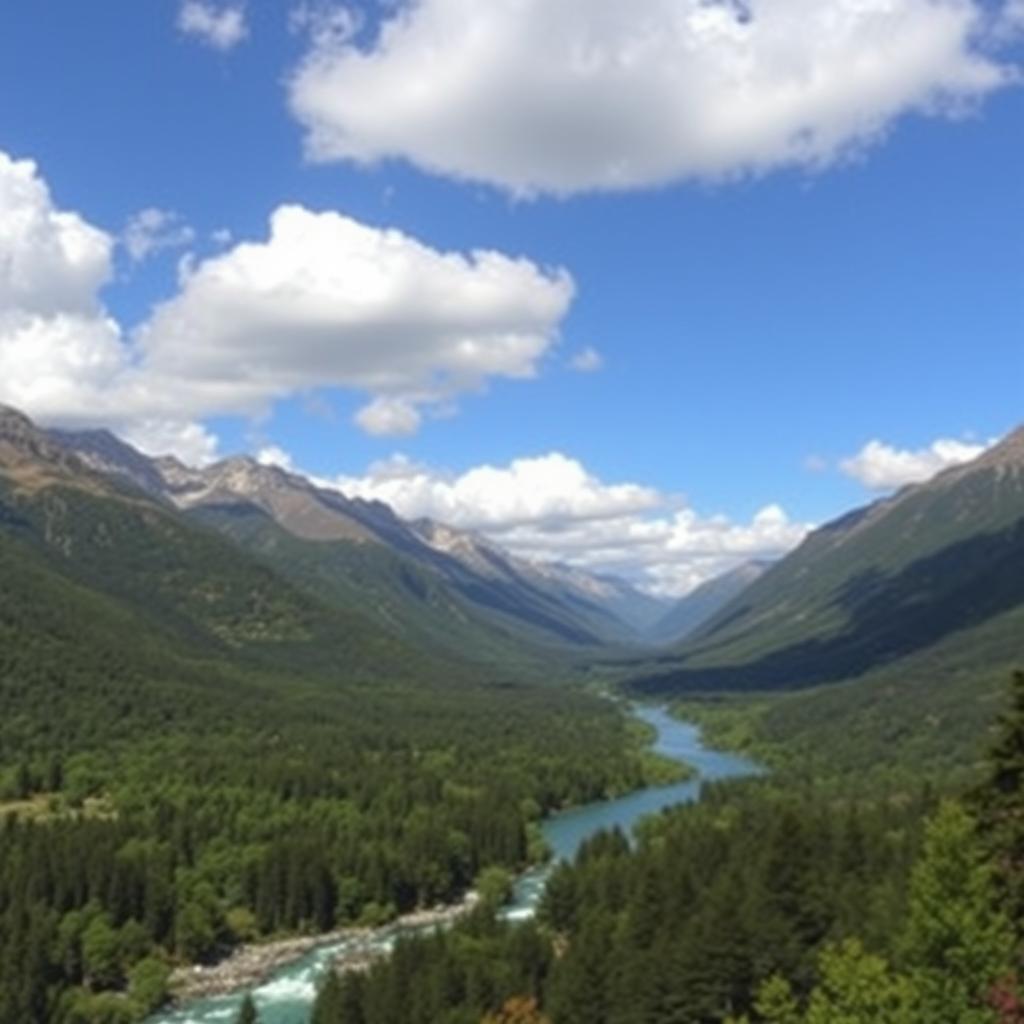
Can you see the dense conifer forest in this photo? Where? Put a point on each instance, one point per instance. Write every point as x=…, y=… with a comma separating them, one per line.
x=756, y=905
x=120, y=861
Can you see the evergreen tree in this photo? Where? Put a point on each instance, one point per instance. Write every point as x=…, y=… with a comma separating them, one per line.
x=957, y=943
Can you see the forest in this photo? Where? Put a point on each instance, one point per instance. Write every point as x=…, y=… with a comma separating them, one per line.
x=758, y=904
x=118, y=864
x=163, y=801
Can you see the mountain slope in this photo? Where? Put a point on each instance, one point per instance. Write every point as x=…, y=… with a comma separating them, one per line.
x=880, y=584
x=428, y=582
x=689, y=613
x=179, y=584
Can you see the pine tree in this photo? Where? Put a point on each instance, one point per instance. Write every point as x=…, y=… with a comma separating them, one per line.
x=957, y=944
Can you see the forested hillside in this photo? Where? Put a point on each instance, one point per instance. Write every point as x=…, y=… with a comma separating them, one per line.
x=439, y=587
x=195, y=752
x=757, y=905
x=933, y=563
x=879, y=646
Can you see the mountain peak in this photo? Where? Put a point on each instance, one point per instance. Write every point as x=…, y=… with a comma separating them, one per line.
x=1008, y=452
x=16, y=428
x=22, y=442
x=1006, y=457
x=106, y=453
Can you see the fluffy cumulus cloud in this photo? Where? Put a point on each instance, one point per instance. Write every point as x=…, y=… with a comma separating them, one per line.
x=323, y=301
x=327, y=301
x=53, y=261
x=551, y=488
x=534, y=96
x=882, y=467
x=552, y=508
x=220, y=26
x=57, y=344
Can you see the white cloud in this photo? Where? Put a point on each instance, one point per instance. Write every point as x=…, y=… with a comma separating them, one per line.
x=323, y=302
x=153, y=230
x=329, y=302
x=51, y=261
x=581, y=95
x=222, y=27
x=273, y=455
x=389, y=417
x=882, y=467
x=549, y=488
x=193, y=443
x=589, y=360
x=551, y=508
x=59, y=349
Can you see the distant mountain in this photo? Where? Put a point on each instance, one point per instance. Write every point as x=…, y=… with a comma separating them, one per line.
x=428, y=582
x=612, y=607
x=637, y=609
x=689, y=613
x=929, y=565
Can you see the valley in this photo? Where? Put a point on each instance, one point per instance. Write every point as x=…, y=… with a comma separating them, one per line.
x=265, y=712
x=511, y=512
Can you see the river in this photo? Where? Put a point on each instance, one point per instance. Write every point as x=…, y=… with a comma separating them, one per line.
x=286, y=997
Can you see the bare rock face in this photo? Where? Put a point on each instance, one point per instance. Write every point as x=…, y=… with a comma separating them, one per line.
x=29, y=453
x=104, y=453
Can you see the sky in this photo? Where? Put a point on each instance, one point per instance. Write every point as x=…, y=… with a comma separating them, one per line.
x=651, y=288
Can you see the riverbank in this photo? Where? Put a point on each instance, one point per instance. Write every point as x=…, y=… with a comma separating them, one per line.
x=252, y=965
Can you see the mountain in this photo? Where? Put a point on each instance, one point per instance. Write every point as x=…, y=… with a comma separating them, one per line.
x=427, y=582
x=637, y=609
x=935, y=563
x=611, y=607
x=120, y=554
x=689, y=613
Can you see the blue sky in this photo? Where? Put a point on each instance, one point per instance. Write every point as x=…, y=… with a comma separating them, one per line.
x=827, y=253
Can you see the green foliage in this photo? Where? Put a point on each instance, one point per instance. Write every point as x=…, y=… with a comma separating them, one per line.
x=920, y=717
x=856, y=987
x=147, y=983
x=714, y=899
x=756, y=904
x=494, y=884
x=957, y=944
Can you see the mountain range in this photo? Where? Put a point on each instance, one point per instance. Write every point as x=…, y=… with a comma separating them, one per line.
x=423, y=580
x=907, y=611
x=890, y=631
